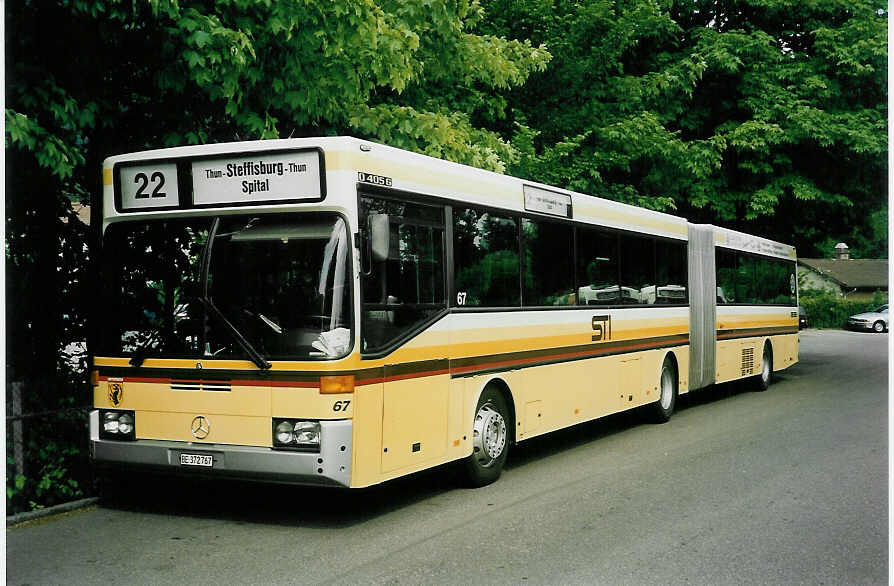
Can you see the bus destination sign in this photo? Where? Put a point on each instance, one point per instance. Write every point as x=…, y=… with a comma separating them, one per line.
x=547, y=202
x=148, y=186
x=257, y=178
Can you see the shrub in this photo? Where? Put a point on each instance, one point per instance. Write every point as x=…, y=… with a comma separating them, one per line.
x=824, y=310
x=57, y=468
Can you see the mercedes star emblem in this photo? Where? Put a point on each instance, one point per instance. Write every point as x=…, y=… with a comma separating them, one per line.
x=200, y=427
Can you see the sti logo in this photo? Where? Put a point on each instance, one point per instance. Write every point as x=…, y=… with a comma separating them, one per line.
x=116, y=393
x=602, y=328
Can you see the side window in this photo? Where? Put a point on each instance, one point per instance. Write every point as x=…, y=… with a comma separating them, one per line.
x=770, y=281
x=754, y=280
x=672, y=273
x=406, y=290
x=776, y=282
x=726, y=276
x=597, y=268
x=746, y=291
x=548, y=252
x=485, y=251
x=637, y=269
x=788, y=284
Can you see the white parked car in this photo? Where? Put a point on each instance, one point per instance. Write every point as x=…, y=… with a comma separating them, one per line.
x=875, y=320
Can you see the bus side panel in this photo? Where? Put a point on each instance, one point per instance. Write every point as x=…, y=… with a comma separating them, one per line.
x=414, y=421
x=367, y=435
x=572, y=388
x=737, y=359
x=785, y=351
x=741, y=333
x=604, y=386
x=743, y=358
x=682, y=355
x=404, y=424
x=559, y=395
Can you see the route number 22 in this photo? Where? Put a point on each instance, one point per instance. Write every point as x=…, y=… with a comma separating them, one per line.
x=157, y=178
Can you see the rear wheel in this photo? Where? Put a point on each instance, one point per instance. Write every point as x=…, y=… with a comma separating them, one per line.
x=766, y=376
x=663, y=408
x=879, y=327
x=490, y=439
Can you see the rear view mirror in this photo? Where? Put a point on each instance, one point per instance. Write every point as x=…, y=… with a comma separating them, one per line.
x=379, y=237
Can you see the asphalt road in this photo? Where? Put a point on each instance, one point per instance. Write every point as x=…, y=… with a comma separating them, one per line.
x=789, y=486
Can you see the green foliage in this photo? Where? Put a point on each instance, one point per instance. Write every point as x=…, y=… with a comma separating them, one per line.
x=825, y=310
x=56, y=465
x=89, y=79
x=187, y=72
x=760, y=115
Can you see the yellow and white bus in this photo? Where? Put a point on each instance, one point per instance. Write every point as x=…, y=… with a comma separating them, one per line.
x=332, y=311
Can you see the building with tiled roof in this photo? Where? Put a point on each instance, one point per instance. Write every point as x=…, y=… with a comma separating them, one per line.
x=844, y=276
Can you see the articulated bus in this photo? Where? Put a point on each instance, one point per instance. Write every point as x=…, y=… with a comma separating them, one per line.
x=332, y=311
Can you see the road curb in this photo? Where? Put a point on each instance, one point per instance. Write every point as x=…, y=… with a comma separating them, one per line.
x=55, y=510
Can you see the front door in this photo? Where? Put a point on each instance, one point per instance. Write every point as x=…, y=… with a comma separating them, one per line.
x=403, y=296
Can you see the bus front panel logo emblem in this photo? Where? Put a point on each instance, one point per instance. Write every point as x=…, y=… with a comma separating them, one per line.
x=200, y=427
x=116, y=393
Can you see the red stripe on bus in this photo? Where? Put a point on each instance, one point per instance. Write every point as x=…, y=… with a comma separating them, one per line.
x=558, y=357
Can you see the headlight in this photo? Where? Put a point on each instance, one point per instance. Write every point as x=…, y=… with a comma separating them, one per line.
x=284, y=433
x=296, y=434
x=307, y=432
x=125, y=424
x=117, y=425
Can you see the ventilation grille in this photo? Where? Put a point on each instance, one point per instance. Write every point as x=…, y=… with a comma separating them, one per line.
x=200, y=385
x=747, y=361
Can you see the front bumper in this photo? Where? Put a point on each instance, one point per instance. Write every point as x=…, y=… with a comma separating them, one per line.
x=331, y=466
x=855, y=325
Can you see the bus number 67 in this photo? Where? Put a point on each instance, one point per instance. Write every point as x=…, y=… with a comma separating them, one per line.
x=341, y=405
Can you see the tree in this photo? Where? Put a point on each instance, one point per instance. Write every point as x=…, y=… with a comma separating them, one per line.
x=89, y=79
x=761, y=115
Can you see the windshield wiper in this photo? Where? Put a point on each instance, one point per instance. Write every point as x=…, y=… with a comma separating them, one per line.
x=255, y=356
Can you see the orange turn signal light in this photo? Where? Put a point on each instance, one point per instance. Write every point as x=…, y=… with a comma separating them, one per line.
x=94, y=378
x=335, y=385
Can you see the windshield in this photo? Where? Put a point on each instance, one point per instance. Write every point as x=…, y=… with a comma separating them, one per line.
x=193, y=288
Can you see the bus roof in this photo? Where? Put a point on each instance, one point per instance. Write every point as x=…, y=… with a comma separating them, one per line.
x=363, y=162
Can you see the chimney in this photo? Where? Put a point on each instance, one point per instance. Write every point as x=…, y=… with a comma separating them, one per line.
x=842, y=252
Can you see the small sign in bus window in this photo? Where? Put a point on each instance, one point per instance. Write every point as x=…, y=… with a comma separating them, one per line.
x=547, y=202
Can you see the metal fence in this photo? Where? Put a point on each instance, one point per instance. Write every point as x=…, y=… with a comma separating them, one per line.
x=16, y=420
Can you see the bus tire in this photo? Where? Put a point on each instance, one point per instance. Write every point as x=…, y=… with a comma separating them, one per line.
x=490, y=439
x=663, y=408
x=766, y=376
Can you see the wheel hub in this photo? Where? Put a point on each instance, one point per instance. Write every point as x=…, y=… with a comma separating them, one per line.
x=489, y=435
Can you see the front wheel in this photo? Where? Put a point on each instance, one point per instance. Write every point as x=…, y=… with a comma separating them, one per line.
x=878, y=327
x=490, y=439
x=663, y=408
